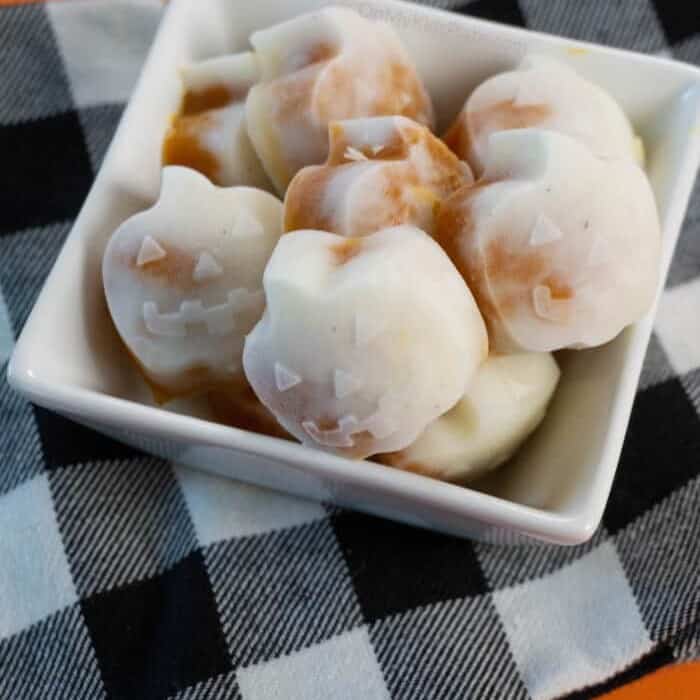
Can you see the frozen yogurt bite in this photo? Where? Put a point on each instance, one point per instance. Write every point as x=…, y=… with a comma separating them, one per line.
x=505, y=402
x=544, y=93
x=559, y=247
x=183, y=280
x=324, y=66
x=380, y=171
x=209, y=133
x=364, y=341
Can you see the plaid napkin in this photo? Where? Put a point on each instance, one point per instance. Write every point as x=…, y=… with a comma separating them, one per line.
x=123, y=576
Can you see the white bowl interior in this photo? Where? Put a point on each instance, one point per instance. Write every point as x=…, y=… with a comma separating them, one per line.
x=568, y=466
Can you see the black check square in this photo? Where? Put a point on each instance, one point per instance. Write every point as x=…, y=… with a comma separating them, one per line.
x=679, y=19
x=158, y=636
x=660, y=453
x=46, y=171
x=425, y=652
x=65, y=442
x=33, y=82
x=506, y=11
x=120, y=521
x=51, y=659
x=281, y=591
x=395, y=567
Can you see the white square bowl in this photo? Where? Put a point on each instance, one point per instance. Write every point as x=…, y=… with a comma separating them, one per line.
x=69, y=359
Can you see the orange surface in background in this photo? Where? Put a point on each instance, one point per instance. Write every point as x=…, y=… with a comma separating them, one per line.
x=680, y=682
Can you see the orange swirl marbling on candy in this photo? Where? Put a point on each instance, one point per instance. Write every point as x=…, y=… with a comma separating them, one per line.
x=209, y=132
x=380, y=171
x=327, y=65
x=543, y=93
x=560, y=248
x=183, y=281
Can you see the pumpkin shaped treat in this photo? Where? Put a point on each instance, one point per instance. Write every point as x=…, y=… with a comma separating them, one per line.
x=364, y=341
x=381, y=171
x=560, y=248
x=183, y=280
x=323, y=66
x=504, y=404
x=209, y=133
x=547, y=94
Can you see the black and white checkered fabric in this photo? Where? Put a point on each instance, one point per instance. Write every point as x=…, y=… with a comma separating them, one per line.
x=123, y=576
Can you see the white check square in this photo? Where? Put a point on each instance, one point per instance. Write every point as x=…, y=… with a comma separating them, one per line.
x=342, y=668
x=221, y=509
x=575, y=627
x=103, y=44
x=678, y=325
x=35, y=580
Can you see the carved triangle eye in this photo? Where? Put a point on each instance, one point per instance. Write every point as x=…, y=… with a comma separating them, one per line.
x=149, y=252
x=544, y=231
x=285, y=378
x=207, y=268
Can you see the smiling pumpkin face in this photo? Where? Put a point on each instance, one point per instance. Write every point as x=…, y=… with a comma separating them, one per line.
x=560, y=248
x=182, y=289
x=364, y=340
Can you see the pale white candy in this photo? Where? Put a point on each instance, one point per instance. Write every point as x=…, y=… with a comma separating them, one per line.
x=183, y=280
x=561, y=249
x=544, y=93
x=505, y=402
x=380, y=171
x=210, y=134
x=364, y=341
x=327, y=65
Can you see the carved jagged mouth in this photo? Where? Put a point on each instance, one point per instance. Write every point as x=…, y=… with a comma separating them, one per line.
x=219, y=319
x=378, y=426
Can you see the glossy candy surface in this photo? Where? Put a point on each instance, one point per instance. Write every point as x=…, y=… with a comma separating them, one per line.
x=364, y=341
x=560, y=248
x=381, y=171
x=319, y=67
x=183, y=280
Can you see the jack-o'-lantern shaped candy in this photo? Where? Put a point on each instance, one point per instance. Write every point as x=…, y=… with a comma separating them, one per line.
x=209, y=133
x=542, y=93
x=380, y=172
x=327, y=65
x=560, y=248
x=183, y=280
x=364, y=341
